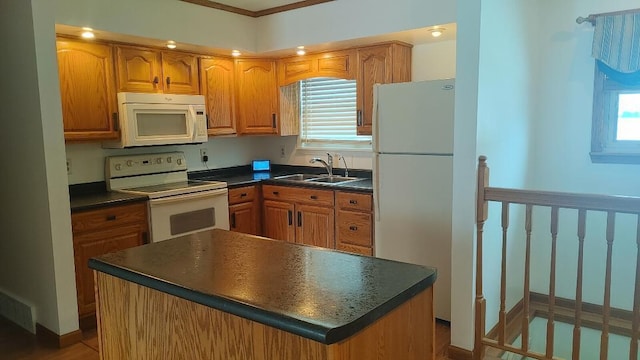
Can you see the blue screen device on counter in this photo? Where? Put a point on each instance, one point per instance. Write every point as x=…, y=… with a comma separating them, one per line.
x=261, y=169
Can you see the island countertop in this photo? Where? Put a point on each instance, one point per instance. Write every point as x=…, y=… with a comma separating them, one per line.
x=320, y=294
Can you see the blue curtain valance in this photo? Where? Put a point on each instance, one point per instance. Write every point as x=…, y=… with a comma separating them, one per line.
x=616, y=42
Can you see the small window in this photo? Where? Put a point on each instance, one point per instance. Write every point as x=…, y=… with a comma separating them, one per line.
x=615, y=131
x=328, y=115
x=616, y=121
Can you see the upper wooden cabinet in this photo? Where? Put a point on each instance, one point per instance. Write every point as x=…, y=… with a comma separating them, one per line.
x=382, y=64
x=87, y=90
x=217, y=79
x=150, y=70
x=338, y=64
x=257, y=96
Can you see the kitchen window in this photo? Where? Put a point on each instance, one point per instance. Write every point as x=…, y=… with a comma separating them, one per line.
x=328, y=115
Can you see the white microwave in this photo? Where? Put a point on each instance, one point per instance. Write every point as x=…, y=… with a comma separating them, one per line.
x=160, y=119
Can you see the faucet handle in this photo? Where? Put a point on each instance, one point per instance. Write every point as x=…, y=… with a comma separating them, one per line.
x=329, y=159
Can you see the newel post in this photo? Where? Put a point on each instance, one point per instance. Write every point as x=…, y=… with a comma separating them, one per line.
x=481, y=216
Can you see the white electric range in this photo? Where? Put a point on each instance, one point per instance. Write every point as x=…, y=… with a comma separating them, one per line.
x=177, y=206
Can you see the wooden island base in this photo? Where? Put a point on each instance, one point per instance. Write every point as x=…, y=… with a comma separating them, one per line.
x=137, y=322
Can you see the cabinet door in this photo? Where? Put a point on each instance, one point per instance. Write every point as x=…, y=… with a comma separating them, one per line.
x=278, y=220
x=87, y=89
x=314, y=226
x=180, y=73
x=374, y=67
x=217, y=80
x=243, y=218
x=138, y=69
x=95, y=243
x=257, y=96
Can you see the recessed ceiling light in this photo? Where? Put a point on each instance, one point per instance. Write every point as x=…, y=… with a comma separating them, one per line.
x=87, y=33
x=171, y=44
x=301, y=50
x=235, y=53
x=436, y=32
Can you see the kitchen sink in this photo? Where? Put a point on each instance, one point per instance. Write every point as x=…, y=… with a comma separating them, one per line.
x=333, y=179
x=300, y=177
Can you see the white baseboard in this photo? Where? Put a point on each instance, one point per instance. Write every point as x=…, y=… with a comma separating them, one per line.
x=18, y=312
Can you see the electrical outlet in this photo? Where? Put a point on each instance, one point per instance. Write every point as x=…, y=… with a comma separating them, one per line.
x=204, y=155
x=68, y=166
x=282, y=151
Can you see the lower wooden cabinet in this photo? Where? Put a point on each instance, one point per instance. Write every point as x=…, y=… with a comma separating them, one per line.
x=244, y=210
x=300, y=215
x=98, y=232
x=354, y=222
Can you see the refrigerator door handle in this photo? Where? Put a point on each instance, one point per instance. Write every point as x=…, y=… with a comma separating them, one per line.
x=374, y=121
x=376, y=185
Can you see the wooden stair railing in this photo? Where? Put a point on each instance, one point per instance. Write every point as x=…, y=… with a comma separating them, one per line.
x=611, y=205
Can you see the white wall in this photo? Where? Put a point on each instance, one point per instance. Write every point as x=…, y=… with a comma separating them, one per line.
x=36, y=249
x=506, y=105
x=534, y=123
x=162, y=19
x=561, y=158
x=349, y=19
x=464, y=162
x=432, y=61
x=87, y=159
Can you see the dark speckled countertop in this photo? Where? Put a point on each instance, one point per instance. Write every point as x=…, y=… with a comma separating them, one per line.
x=243, y=176
x=320, y=294
x=90, y=196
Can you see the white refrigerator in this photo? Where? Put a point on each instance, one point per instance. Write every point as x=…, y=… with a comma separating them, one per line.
x=412, y=178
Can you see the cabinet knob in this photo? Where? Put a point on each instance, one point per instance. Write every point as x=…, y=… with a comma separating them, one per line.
x=276, y=193
x=168, y=81
x=359, y=118
x=111, y=217
x=353, y=228
x=156, y=80
x=353, y=202
x=243, y=194
x=314, y=197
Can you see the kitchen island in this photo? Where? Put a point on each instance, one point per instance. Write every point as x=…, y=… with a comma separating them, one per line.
x=225, y=295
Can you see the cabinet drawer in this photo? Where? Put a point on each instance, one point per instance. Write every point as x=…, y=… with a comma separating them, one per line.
x=109, y=217
x=243, y=194
x=354, y=201
x=298, y=195
x=353, y=228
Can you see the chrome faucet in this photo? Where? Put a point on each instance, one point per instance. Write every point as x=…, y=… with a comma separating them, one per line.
x=327, y=164
x=346, y=169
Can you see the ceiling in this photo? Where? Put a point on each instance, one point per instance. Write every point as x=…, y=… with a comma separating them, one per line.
x=256, y=8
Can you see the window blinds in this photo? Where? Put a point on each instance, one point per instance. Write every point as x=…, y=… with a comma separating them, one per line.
x=328, y=112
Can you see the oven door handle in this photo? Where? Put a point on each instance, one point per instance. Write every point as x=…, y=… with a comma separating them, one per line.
x=193, y=196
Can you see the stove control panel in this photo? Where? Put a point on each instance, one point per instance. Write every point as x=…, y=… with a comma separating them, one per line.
x=144, y=164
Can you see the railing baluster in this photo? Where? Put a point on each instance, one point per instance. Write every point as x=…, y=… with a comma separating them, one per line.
x=633, y=350
x=606, y=309
x=527, y=276
x=502, y=324
x=582, y=220
x=552, y=282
